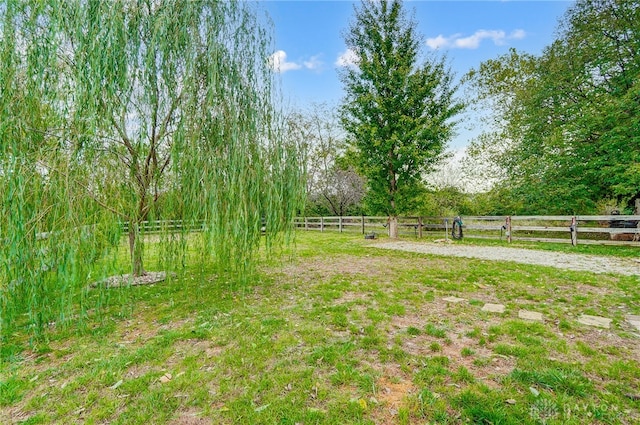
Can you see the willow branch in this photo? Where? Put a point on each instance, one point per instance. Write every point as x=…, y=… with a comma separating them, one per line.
x=124, y=138
x=165, y=163
x=107, y=207
x=168, y=116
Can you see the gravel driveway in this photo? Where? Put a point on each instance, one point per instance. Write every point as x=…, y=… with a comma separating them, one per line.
x=577, y=262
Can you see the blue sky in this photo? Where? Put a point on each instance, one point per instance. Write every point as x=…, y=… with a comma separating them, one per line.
x=309, y=42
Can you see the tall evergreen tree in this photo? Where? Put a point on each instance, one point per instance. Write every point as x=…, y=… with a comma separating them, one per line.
x=398, y=109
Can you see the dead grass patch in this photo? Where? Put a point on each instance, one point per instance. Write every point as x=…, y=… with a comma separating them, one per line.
x=137, y=331
x=400, y=324
x=140, y=330
x=137, y=371
x=341, y=265
x=392, y=392
x=498, y=367
x=14, y=415
x=350, y=297
x=189, y=417
x=587, y=290
x=173, y=324
x=192, y=348
x=312, y=269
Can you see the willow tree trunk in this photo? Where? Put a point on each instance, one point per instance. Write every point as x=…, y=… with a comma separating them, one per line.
x=136, y=249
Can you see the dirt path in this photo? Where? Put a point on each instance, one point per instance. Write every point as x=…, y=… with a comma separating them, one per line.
x=577, y=262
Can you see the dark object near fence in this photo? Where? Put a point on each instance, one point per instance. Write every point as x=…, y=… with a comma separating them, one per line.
x=371, y=235
x=623, y=224
x=456, y=229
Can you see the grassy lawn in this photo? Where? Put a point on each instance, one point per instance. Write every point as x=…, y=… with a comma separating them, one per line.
x=341, y=333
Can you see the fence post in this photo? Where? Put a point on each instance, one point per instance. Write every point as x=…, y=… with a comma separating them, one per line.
x=363, y=225
x=508, y=230
x=446, y=229
x=420, y=227
x=321, y=224
x=306, y=223
x=574, y=231
x=340, y=223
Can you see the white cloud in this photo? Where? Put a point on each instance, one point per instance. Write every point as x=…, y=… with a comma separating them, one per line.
x=518, y=34
x=314, y=63
x=278, y=62
x=473, y=41
x=440, y=41
x=347, y=58
x=457, y=41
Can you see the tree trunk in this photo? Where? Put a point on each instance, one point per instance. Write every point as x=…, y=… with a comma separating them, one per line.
x=135, y=249
x=393, y=190
x=393, y=227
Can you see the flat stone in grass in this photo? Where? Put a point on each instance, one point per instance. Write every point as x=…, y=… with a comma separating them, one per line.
x=597, y=321
x=531, y=315
x=123, y=280
x=454, y=300
x=634, y=321
x=493, y=308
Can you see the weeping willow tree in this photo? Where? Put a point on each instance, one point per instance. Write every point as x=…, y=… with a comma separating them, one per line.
x=113, y=113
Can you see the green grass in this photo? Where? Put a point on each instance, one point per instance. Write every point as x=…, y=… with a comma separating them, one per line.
x=338, y=333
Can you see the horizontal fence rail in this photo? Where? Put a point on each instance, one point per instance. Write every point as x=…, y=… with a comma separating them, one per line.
x=588, y=229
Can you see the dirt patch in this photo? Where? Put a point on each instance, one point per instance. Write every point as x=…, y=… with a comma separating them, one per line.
x=602, y=342
x=135, y=332
x=352, y=265
x=586, y=290
x=137, y=371
x=174, y=324
x=341, y=265
x=191, y=348
x=499, y=365
x=453, y=344
x=392, y=393
x=350, y=297
x=139, y=330
x=14, y=415
x=402, y=323
x=393, y=389
x=189, y=417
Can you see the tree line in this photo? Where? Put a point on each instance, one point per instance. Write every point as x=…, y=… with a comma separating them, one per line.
x=565, y=135
x=563, y=126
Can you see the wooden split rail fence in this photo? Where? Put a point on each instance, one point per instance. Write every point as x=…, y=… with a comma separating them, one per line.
x=169, y=226
x=588, y=229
